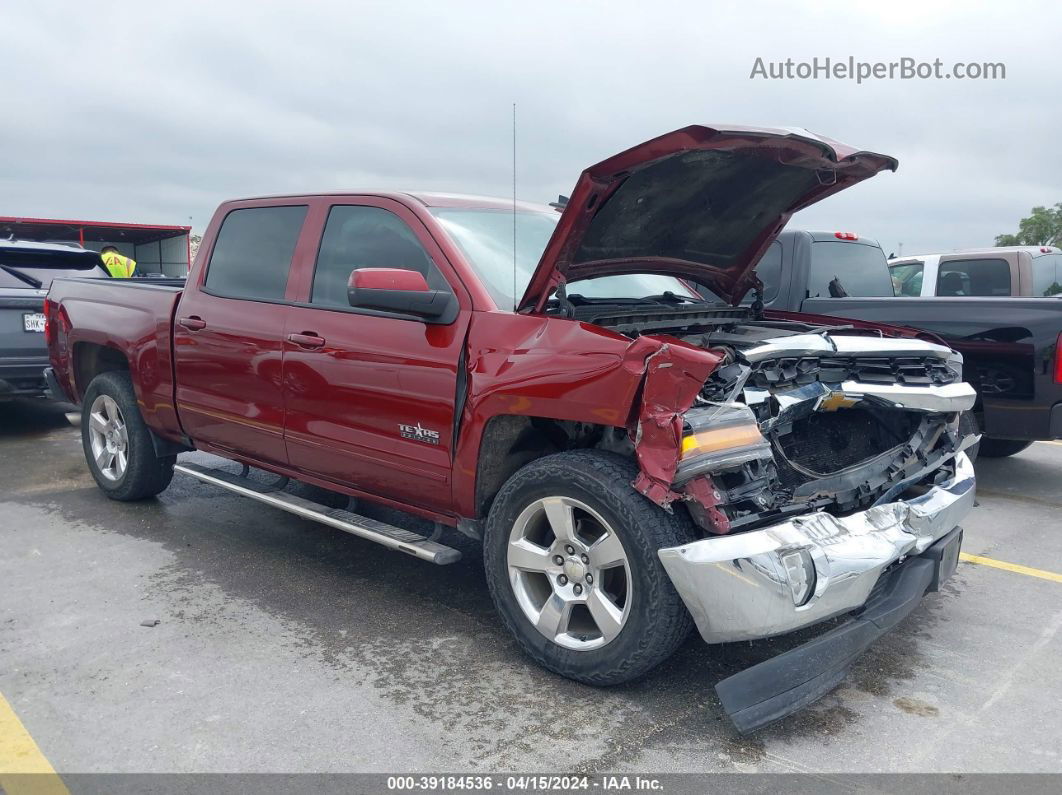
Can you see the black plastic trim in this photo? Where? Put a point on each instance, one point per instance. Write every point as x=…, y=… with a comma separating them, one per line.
x=53, y=389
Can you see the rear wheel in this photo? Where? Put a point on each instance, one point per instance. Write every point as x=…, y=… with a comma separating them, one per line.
x=570, y=551
x=117, y=443
x=1001, y=448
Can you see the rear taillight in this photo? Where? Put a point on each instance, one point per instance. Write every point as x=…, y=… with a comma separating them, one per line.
x=846, y=235
x=1058, y=360
x=47, y=322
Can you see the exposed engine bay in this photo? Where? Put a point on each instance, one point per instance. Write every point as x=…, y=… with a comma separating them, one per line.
x=797, y=418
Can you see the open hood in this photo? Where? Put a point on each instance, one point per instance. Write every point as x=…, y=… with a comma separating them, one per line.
x=700, y=203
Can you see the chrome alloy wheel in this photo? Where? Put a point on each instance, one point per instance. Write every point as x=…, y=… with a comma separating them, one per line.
x=108, y=437
x=569, y=573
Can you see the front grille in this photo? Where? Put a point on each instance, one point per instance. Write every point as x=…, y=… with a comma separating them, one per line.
x=799, y=370
x=827, y=442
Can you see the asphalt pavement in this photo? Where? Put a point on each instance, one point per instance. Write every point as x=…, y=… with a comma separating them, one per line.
x=282, y=645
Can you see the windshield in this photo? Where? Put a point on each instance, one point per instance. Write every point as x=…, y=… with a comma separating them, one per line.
x=486, y=239
x=841, y=270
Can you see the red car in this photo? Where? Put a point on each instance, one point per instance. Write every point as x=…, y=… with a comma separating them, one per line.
x=636, y=460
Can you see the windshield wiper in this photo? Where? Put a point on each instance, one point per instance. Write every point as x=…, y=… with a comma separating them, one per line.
x=32, y=281
x=670, y=297
x=664, y=298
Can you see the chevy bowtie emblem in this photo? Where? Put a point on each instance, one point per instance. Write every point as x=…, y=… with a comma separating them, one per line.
x=837, y=400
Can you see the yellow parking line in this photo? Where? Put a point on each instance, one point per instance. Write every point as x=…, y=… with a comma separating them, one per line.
x=23, y=768
x=1051, y=442
x=1015, y=567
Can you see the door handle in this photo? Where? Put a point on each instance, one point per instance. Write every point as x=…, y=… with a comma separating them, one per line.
x=307, y=340
x=193, y=323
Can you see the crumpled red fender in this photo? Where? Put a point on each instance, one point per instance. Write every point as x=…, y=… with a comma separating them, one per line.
x=673, y=372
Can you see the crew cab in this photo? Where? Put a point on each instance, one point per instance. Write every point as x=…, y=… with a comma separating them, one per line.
x=1012, y=346
x=1005, y=270
x=636, y=460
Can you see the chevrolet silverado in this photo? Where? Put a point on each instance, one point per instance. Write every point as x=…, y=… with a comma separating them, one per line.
x=635, y=460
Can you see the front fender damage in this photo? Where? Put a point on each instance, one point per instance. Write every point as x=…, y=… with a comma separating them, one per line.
x=673, y=374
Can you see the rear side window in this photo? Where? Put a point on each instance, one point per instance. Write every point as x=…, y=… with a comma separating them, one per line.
x=841, y=270
x=907, y=278
x=1047, y=275
x=981, y=277
x=366, y=237
x=252, y=255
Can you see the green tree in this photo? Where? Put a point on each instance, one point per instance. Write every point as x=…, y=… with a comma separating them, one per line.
x=1043, y=227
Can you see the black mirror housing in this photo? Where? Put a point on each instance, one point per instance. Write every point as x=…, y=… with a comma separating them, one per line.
x=431, y=304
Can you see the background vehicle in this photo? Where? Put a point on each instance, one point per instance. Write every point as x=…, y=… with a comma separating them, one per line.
x=619, y=445
x=26, y=273
x=1014, y=270
x=160, y=250
x=1012, y=347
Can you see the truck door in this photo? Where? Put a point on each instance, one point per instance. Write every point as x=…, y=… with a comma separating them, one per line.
x=370, y=395
x=228, y=335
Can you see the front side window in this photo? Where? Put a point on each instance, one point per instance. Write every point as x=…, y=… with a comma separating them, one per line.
x=252, y=255
x=982, y=277
x=1047, y=275
x=907, y=278
x=366, y=237
x=840, y=270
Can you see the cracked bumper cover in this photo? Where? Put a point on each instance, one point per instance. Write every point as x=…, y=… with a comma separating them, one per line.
x=738, y=587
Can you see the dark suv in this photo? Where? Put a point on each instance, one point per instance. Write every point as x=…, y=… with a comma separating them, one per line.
x=26, y=273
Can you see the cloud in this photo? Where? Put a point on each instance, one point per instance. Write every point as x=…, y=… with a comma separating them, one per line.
x=156, y=112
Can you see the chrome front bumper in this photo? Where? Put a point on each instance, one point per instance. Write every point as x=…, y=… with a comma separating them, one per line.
x=738, y=588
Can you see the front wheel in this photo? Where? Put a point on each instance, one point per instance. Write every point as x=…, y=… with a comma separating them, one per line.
x=570, y=551
x=117, y=443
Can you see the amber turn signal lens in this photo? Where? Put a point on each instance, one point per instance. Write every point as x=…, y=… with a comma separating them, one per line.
x=712, y=441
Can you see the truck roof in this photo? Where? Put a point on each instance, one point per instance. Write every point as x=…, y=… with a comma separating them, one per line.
x=426, y=198
x=821, y=236
x=1033, y=251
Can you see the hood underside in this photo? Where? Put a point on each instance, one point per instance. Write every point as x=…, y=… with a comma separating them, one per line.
x=700, y=203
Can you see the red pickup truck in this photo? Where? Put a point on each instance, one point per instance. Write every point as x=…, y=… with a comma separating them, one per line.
x=635, y=459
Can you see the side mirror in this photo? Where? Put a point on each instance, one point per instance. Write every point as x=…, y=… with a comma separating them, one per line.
x=396, y=290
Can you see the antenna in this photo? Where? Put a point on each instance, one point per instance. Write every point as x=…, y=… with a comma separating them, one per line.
x=515, y=296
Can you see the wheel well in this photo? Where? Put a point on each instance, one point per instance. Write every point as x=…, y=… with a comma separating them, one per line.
x=91, y=359
x=510, y=442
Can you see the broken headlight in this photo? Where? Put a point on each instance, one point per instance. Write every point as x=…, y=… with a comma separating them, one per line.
x=719, y=436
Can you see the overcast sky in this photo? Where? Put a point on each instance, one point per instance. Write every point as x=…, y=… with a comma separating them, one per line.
x=155, y=112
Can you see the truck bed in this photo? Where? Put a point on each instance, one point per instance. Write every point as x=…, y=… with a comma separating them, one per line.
x=1008, y=345
x=116, y=319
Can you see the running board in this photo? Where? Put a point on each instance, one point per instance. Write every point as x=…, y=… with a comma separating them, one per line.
x=362, y=526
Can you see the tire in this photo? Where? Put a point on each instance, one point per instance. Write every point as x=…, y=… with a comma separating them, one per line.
x=968, y=424
x=1001, y=448
x=596, y=486
x=118, y=432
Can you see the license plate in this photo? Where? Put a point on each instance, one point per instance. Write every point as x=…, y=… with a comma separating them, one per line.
x=33, y=321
